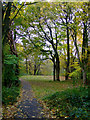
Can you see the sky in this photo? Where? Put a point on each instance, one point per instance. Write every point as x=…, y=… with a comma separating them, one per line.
x=46, y=0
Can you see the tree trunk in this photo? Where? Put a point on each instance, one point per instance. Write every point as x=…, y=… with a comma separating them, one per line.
x=5, y=25
x=26, y=66
x=88, y=63
x=54, y=66
x=84, y=74
x=84, y=53
x=29, y=68
x=57, y=68
x=35, y=69
x=5, y=29
x=38, y=70
x=17, y=70
x=68, y=53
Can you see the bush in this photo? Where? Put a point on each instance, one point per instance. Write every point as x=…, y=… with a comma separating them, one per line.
x=9, y=95
x=73, y=103
x=10, y=75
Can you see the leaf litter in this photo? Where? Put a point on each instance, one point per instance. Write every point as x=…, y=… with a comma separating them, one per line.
x=26, y=105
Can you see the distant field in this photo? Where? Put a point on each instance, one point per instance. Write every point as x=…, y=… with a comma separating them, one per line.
x=38, y=77
x=44, y=85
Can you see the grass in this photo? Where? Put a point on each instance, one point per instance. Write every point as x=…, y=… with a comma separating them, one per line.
x=64, y=99
x=44, y=85
x=37, y=77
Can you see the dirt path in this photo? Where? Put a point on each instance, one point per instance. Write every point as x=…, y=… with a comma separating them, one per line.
x=29, y=106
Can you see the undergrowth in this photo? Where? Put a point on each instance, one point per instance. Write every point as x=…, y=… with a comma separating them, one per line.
x=71, y=103
x=9, y=95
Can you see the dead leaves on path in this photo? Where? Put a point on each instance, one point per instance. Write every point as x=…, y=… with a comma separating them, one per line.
x=46, y=111
x=12, y=111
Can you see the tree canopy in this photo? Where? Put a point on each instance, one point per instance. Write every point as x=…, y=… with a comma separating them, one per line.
x=48, y=30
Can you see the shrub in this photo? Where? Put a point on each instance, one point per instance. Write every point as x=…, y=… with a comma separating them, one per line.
x=10, y=75
x=9, y=95
x=76, y=73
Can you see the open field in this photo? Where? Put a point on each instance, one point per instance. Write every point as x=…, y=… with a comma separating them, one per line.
x=44, y=85
x=41, y=77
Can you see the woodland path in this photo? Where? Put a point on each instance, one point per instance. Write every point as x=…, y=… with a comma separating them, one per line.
x=29, y=107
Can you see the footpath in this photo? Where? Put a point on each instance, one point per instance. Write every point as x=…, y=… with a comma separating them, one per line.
x=29, y=107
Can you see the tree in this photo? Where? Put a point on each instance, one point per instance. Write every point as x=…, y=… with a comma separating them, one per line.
x=10, y=11
x=66, y=17
x=76, y=28
x=85, y=42
x=43, y=28
x=48, y=26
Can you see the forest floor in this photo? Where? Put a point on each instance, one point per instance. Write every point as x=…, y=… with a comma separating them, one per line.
x=27, y=105
x=30, y=103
